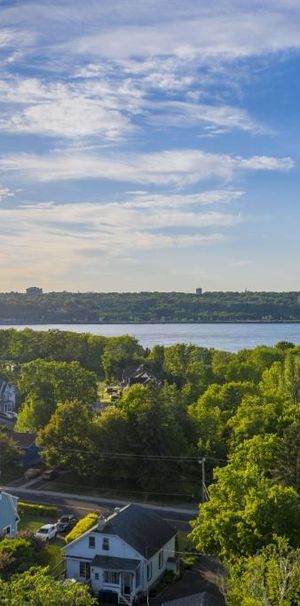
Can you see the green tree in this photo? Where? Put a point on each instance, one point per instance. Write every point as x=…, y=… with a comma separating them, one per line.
x=269, y=577
x=286, y=468
x=15, y=556
x=155, y=435
x=255, y=416
x=43, y=384
x=10, y=453
x=36, y=587
x=213, y=410
x=244, y=511
x=67, y=439
x=120, y=352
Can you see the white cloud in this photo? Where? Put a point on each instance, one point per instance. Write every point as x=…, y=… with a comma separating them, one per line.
x=216, y=117
x=224, y=30
x=146, y=200
x=65, y=110
x=174, y=167
x=107, y=107
x=59, y=237
x=266, y=163
x=5, y=192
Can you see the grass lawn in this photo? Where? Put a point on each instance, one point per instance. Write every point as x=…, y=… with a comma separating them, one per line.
x=32, y=523
x=52, y=555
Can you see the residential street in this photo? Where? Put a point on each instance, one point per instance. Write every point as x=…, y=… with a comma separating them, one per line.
x=79, y=504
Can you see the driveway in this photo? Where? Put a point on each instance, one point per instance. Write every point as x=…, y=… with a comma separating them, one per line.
x=193, y=582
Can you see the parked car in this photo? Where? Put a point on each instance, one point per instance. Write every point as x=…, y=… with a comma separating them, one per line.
x=32, y=472
x=66, y=523
x=46, y=532
x=49, y=474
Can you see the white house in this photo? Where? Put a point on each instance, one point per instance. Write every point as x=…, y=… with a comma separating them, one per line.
x=125, y=554
x=9, y=517
x=8, y=396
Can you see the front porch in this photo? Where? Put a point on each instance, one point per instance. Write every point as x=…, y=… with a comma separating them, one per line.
x=118, y=578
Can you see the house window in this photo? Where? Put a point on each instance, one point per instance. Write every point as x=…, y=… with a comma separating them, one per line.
x=84, y=570
x=97, y=576
x=160, y=559
x=92, y=542
x=105, y=544
x=112, y=578
x=149, y=571
x=7, y=530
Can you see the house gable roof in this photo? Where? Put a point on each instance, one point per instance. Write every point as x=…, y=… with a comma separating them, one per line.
x=24, y=440
x=140, y=528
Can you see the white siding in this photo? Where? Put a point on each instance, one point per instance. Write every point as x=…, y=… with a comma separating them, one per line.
x=168, y=552
x=81, y=551
x=117, y=547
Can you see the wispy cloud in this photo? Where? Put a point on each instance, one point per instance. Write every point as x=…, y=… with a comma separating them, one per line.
x=175, y=167
x=5, y=193
x=79, y=234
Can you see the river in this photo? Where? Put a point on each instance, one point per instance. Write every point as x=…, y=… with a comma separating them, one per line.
x=229, y=337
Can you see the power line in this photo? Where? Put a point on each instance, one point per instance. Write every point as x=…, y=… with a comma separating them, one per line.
x=128, y=455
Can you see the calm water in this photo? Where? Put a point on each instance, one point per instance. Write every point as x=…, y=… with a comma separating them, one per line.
x=230, y=337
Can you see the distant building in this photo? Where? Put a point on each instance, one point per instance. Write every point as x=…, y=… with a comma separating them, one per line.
x=34, y=290
x=138, y=376
x=8, y=396
x=26, y=441
x=198, y=291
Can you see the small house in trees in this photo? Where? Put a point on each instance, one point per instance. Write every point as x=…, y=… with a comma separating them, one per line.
x=8, y=396
x=30, y=451
x=138, y=376
x=123, y=556
x=9, y=517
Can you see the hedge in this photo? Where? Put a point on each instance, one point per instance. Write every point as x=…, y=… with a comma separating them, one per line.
x=37, y=510
x=82, y=526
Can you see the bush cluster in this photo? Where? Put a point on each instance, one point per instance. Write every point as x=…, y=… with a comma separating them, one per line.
x=33, y=509
x=82, y=526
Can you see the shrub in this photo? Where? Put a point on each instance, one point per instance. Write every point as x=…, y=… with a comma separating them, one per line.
x=37, y=510
x=15, y=556
x=82, y=526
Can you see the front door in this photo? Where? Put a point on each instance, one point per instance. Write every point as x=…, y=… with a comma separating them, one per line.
x=127, y=583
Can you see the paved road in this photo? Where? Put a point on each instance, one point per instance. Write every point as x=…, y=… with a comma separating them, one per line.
x=79, y=504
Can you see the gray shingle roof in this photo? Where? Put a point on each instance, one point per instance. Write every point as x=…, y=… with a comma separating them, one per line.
x=141, y=528
x=111, y=563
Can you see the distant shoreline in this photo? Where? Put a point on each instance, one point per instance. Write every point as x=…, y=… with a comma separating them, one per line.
x=125, y=323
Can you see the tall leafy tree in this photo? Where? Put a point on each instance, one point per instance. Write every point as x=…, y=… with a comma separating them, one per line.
x=36, y=587
x=244, y=511
x=67, y=439
x=44, y=384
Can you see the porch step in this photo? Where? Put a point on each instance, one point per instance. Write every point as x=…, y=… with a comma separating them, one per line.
x=123, y=600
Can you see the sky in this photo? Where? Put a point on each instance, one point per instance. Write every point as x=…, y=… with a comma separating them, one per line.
x=149, y=145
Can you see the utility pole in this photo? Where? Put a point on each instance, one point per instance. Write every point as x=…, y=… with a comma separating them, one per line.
x=205, y=495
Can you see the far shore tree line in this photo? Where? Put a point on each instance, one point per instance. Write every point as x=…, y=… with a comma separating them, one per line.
x=148, y=307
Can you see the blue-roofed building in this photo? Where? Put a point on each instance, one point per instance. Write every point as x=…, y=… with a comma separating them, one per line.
x=26, y=441
x=9, y=517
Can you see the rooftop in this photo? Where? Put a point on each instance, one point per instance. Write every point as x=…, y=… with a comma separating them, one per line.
x=141, y=528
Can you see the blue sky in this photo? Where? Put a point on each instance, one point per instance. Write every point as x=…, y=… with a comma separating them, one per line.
x=149, y=145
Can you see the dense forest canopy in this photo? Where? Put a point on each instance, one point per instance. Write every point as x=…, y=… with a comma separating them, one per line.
x=67, y=307
x=238, y=413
